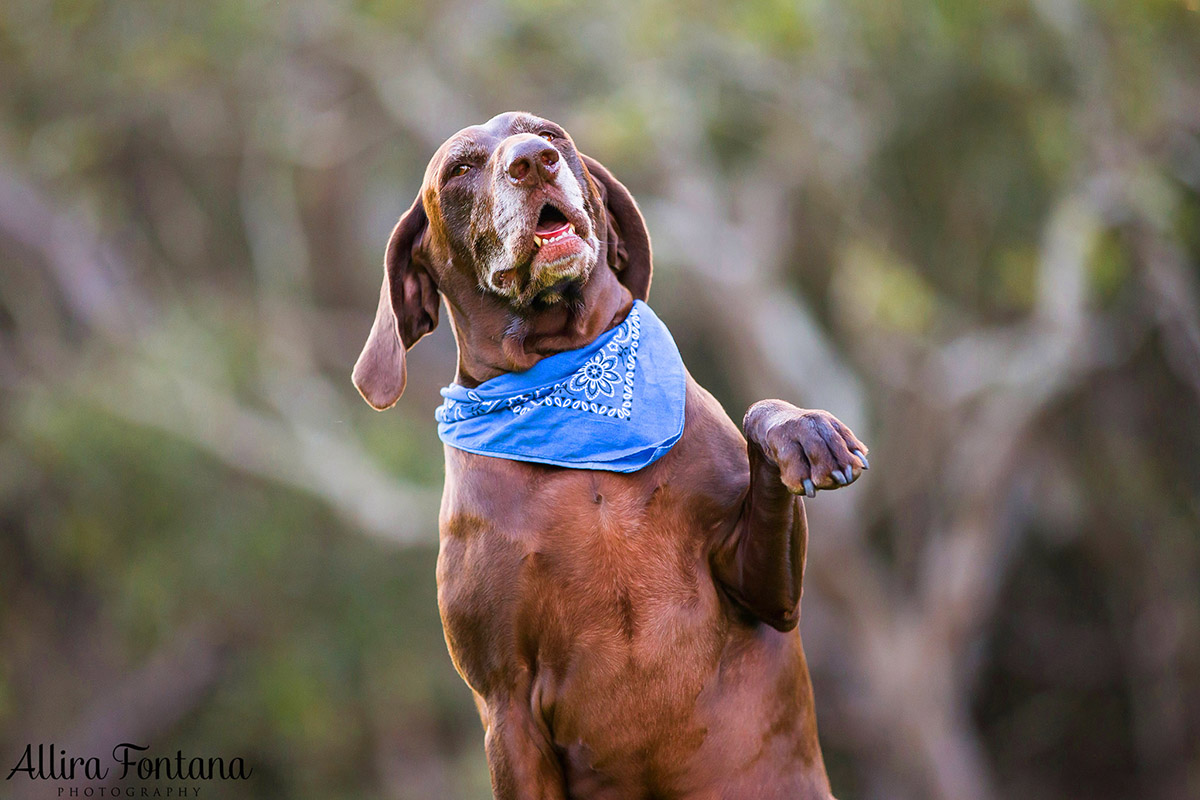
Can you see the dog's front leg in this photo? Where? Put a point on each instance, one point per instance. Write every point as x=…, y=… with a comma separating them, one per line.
x=792, y=451
x=520, y=757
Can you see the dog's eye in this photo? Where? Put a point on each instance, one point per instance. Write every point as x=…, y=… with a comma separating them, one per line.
x=460, y=170
x=547, y=135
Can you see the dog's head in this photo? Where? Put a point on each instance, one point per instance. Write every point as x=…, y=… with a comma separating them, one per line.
x=510, y=210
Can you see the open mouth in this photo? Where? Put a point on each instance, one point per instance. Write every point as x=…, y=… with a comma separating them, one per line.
x=552, y=227
x=557, y=264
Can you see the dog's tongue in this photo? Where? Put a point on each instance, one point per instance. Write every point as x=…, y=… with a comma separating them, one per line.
x=551, y=227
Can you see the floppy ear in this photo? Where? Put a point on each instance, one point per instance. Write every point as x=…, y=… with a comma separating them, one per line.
x=408, y=309
x=628, y=240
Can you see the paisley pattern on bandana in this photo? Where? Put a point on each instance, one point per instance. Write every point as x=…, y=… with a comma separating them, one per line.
x=631, y=378
x=596, y=380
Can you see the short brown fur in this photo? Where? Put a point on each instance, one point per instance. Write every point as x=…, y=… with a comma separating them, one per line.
x=626, y=636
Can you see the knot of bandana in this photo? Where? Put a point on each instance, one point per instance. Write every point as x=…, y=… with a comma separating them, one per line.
x=616, y=404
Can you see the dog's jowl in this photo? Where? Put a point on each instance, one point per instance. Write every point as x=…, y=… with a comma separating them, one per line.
x=620, y=567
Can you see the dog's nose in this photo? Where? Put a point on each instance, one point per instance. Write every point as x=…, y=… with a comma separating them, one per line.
x=532, y=161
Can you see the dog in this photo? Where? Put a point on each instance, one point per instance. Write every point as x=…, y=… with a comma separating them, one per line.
x=626, y=634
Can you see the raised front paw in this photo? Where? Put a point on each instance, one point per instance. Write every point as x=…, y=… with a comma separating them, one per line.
x=812, y=448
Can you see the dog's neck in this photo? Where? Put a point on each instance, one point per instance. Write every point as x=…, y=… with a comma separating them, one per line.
x=493, y=338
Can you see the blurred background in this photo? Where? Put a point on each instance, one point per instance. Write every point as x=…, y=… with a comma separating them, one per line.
x=971, y=231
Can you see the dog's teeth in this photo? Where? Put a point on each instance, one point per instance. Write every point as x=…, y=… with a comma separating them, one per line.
x=538, y=241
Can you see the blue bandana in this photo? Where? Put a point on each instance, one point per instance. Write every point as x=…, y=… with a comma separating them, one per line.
x=616, y=404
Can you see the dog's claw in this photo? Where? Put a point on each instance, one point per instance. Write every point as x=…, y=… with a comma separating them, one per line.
x=811, y=449
x=866, y=464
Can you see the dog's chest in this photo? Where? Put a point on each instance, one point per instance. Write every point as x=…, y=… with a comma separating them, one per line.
x=568, y=571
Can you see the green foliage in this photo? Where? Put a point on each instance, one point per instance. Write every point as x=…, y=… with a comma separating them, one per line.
x=974, y=225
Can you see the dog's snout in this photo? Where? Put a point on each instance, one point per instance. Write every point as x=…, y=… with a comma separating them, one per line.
x=532, y=161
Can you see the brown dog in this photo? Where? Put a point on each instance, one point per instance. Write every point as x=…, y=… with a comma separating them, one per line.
x=629, y=635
